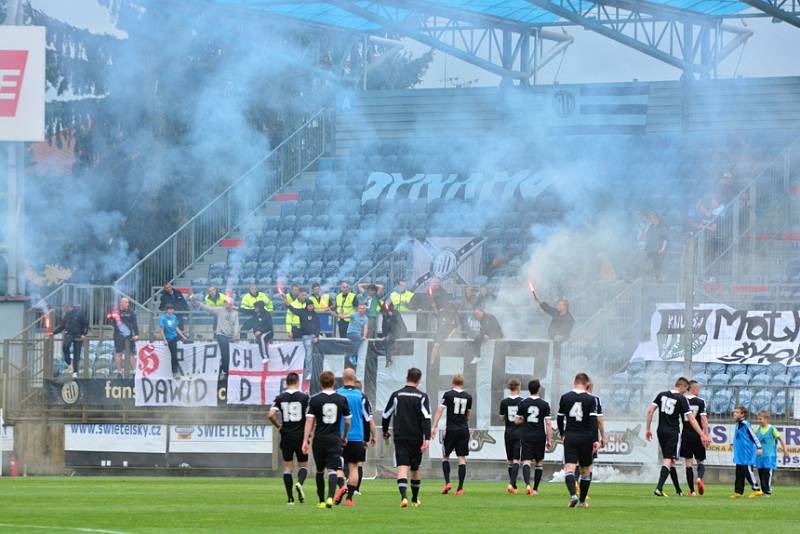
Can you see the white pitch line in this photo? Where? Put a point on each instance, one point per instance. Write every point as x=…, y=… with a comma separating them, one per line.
x=67, y=529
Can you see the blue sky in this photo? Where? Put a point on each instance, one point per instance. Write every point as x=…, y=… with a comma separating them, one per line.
x=772, y=51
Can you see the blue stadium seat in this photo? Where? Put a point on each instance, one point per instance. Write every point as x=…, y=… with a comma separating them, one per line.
x=716, y=368
x=217, y=270
x=737, y=369
x=719, y=379
x=776, y=368
x=781, y=380
x=761, y=401
x=269, y=237
x=741, y=379
x=248, y=280
x=762, y=379
x=744, y=397
x=271, y=223
x=288, y=222
x=216, y=281
x=754, y=370
x=287, y=238
x=288, y=208
x=305, y=207
x=306, y=194
x=795, y=381
x=701, y=378
x=721, y=402
x=268, y=253
x=305, y=221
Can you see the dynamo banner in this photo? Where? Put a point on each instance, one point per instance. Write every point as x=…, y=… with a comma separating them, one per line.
x=721, y=334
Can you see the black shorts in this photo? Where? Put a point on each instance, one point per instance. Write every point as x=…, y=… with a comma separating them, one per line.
x=456, y=440
x=291, y=447
x=512, y=447
x=408, y=453
x=121, y=343
x=692, y=447
x=354, y=452
x=533, y=448
x=578, y=449
x=327, y=454
x=669, y=442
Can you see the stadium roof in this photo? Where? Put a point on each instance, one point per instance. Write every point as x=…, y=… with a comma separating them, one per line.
x=511, y=37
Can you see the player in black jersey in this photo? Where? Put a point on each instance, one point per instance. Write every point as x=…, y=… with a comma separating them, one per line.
x=672, y=407
x=508, y=411
x=601, y=426
x=536, y=435
x=577, y=423
x=692, y=448
x=410, y=412
x=458, y=404
x=292, y=405
x=326, y=410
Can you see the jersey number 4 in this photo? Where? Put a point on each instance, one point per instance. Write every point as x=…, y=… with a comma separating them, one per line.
x=576, y=412
x=668, y=405
x=329, y=413
x=292, y=412
x=459, y=406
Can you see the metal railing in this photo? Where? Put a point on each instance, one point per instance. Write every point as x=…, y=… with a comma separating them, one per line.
x=731, y=243
x=228, y=210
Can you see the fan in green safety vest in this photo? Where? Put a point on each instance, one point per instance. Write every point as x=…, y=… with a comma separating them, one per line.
x=345, y=307
x=401, y=297
x=296, y=298
x=248, y=303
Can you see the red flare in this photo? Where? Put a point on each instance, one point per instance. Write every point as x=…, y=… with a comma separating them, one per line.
x=430, y=291
x=113, y=315
x=279, y=287
x=48, y=327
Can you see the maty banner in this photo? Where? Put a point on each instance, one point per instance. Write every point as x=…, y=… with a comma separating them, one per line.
x=224, y=439
x=115, y=438
x=155, y=385
x=253, y=381
x=625, y=444
x=721, y=334
x=22, y=84
x=720, y=451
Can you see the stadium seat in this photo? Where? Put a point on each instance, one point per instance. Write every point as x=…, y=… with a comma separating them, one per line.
x=761, y=379
x=701, y=378
x=288, y=208
x=719, y=379
x=755, y=370
x=306, y=194
x=288, y=222
x=721, y=402
x=761, y=401
x=736, y=369
x=269, y=237
x=271, y=223
x=744, y=397
x=741, y=379
x=781, y=380
x=716, y=368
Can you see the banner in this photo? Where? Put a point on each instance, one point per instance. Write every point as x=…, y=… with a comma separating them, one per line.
x=155, y=385
x=440, y=257
x=251, y=381
x=22, y=83
x=721, y=334
x=477, y=186
x=626, y=444
x=115, y=437
x=223, y=439
x=720, y=451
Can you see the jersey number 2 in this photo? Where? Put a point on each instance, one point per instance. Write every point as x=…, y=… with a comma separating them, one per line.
x=533, y=414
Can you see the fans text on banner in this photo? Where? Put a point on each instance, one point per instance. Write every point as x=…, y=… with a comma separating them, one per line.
x=251, y=381
x=155, y=386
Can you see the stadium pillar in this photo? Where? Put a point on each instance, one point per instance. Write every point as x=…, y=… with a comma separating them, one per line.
x=689, y=254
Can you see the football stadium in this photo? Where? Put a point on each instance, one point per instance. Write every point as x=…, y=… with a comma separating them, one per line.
x=439, y=265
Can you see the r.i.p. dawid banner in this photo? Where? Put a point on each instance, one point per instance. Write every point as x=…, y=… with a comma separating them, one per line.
x=721, y=334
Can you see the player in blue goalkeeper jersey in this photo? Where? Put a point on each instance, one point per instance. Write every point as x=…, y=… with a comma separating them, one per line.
x=746, y=448
x=766, y=464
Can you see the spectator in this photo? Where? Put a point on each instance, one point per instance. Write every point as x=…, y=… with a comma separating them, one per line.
x=727, y=189
x=227, y=330
x=308, y=330
x=469, y=324
x=170, y=332
x=261, y=325
x=322, y=301
x=392, y=327
x=401, y=297
x=248, y=302
x=490, y=329
x=369, y=295
x=296, y=304
x=345, y=306
x=169, y=295
x=562, y=322
x=126, y=332
x=440, y=298
x=214, y=298
x=75, y=327
x=655, y=245
x=357, y=332
x=447, y=322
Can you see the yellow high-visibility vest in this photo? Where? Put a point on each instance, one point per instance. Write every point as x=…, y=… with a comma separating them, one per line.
x=322, y=303
x=218, y=303
x=402, y=301
x=346, y=305
x=248, y=302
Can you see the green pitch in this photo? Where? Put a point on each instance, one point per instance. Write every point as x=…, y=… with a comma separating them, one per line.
x=218, y=505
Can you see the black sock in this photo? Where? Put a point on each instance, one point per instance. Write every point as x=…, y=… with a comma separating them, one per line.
x=402, y=485
x=526, y=474
x=673, y=474
x=446, y=471
x=513, y=475
x=569, y=480
x=662, y=477
x=350, y=491
x=415, y=484
x=332, y=484
x=320, y=486
x=339, y=481
x=302, y=473
x=586, y=480
x=537, y=476
x=360, y=477
x=462, y=474
x=287, y=482
x=690, y=478
x=701, y=471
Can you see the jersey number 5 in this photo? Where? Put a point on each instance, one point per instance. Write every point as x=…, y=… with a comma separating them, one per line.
x=459, y=406
x=668, y=405
x=329, y=413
